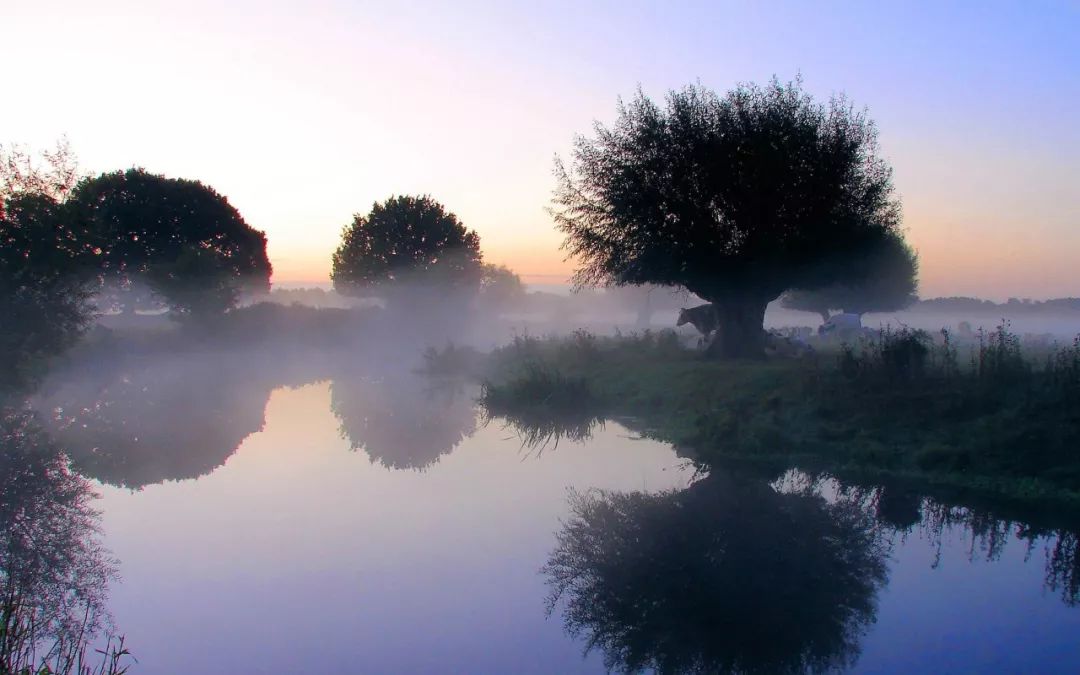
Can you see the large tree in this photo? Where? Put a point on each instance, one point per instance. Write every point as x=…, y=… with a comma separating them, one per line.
x=178, y=236
x=44, y=260
x=884, y=278
x=405, y=244
x=44, y=291
x=737, y=198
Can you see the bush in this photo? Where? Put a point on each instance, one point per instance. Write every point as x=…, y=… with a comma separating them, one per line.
x=893, y=355
x=999, y=358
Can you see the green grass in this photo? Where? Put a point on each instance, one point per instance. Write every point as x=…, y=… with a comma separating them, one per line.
x=903, y=406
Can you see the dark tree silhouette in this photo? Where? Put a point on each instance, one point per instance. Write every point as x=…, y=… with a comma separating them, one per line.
x=736, y=198
x=398, y=420
x=179, y=236
x=404, y=243
x=149, y=422
x=44, y=291
x=54, y=572
x=883, y=278
x=723, y=577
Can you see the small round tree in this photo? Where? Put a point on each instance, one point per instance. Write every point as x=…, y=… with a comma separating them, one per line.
x=405, y=244
x=179, y=236
x=884, y=278
x=736, y=198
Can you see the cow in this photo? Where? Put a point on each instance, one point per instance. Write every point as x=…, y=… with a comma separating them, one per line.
x=786, y=346
x=842, y=326
x=702, y=317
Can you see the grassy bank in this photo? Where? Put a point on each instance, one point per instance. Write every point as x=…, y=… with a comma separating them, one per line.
x=984, y=417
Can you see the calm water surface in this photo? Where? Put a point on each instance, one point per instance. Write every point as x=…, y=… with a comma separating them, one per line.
x=350, y=533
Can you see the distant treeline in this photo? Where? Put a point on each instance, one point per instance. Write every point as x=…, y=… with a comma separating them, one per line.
x=1013, y=306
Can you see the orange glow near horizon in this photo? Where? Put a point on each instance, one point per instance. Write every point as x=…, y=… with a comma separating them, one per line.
x=303, y=114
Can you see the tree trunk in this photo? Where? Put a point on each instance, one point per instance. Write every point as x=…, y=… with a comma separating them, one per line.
x=739, y=333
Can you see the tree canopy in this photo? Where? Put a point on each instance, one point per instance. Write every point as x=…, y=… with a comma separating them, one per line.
x=44, y=295
x=406, y=241
x=737, y=198
x=178, y=235
x=883, y=278
x=53, y=173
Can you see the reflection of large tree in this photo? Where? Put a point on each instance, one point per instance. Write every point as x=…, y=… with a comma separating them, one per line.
x=139, y=424
x=721, y=577
x=400, y=420
x=53, y=570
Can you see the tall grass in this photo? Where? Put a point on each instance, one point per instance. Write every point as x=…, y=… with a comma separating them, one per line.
x=543, y=406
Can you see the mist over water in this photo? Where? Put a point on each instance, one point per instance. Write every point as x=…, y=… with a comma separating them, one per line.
x=740, y=442
x=258, y=497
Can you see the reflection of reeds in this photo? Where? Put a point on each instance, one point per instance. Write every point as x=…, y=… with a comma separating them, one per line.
x=54, y=571
x=31, y=645
x=543, y=406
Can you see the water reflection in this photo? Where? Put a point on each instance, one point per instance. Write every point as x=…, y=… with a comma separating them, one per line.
x=538, y=433
x=401, y=420
x=54, y=572
x=540, y=426
x=725, y=576
x=144, y=423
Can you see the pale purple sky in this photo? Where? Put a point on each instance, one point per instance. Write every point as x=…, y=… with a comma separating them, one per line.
x=303, y=113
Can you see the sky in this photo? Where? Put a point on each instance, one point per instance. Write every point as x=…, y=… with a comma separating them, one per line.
x=304, y=113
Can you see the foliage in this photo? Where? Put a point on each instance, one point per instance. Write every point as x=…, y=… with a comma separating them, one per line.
x=902, y=403
x=181, y=237
x=406, y=241
x=1013, y=307
x=736, y=198
x=721, y=577
x=23, y=174
x=882, y=279
x=889, y=356
x=54, y=571
x=999, y=360
x=543, y=405
x=44, y=295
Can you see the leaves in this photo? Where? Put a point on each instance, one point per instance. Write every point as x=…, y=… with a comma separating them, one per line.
x=741, y=193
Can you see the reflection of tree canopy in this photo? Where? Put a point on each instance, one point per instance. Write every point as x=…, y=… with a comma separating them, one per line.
x=399, y=420
x=53, y=570
x=720, y=577
x=141, y=424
